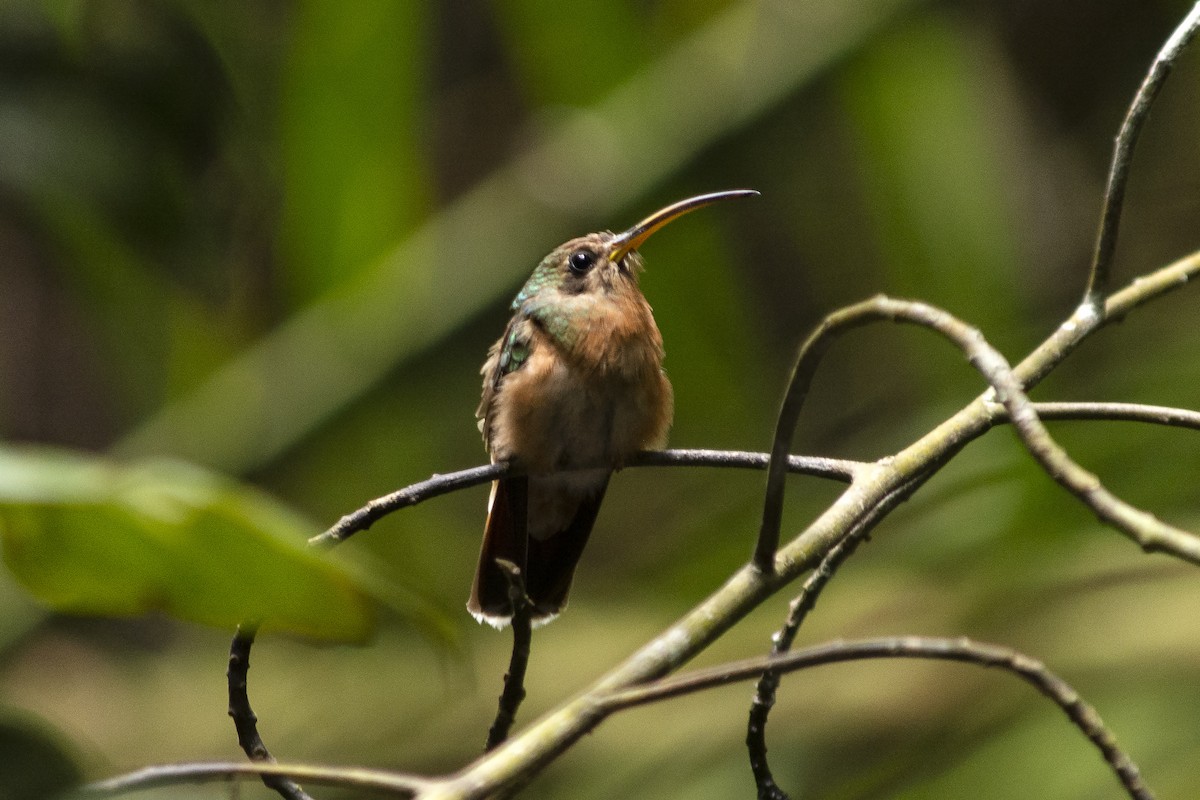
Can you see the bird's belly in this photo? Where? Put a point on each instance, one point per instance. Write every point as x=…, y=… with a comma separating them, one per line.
x=553, y=419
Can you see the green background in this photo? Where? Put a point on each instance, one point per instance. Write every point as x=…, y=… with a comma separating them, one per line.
x=275, y=239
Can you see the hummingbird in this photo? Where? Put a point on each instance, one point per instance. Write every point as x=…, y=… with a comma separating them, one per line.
x=573, y=388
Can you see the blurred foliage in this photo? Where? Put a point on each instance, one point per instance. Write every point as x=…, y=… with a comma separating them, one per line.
x=276, y=238
x=25, y=744
x=90, y=538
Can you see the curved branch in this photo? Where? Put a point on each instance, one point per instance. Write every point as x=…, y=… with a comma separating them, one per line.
x=807, y=361
x=1118, y=175
x=244, y=719
x=1030, y=670
x=1119, y=412
x=392, y=783
x=768, y=684
x=1007, y=390
x=1030, y=371
x=1149, y=532
x=809, y=357
x=514, y=680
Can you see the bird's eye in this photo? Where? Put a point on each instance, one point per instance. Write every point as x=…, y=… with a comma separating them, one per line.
x=581, y=261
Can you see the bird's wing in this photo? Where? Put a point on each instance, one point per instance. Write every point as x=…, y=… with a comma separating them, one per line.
x=510, y=352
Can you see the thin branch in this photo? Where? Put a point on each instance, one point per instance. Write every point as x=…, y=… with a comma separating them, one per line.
x=1151, y=286
x=1149, y=532
x=807, y=361
x=244, y=718
x=781, y=444
x=1030, y=670
x=392, y=783
x=781, y=641
x=514, y=679
x=362, y=519
x=380, y=507
x=1119, y=412
x=768, y=683
x=1118, y=175
x=837, y=469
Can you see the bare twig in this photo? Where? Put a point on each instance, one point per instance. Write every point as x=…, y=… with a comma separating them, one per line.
x=1118, y=175
x=832, y=468
x=1082, y=714
x=1149, y=532
x=815, y=466
x=1085, y=320
x=807, y=361
x=362, y=519
x=514, y=679
x=785, y=427
x=1144, y=528
x=392, y=783
x=764, y=698
x=781, y=641
x=837, y=469
x=380, y=507
x=244, y=718
x=768, y=683
x=1144, y=288
x=1119, y=412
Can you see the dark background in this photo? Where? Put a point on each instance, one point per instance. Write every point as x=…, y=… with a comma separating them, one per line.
x=277, y=238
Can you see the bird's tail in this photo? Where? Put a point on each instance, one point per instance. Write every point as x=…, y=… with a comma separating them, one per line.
x=547, y=565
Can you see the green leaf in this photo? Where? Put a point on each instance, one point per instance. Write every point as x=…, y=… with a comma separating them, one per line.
x=89, y=536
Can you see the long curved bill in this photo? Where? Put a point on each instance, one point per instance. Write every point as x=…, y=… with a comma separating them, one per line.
x=633, y=238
